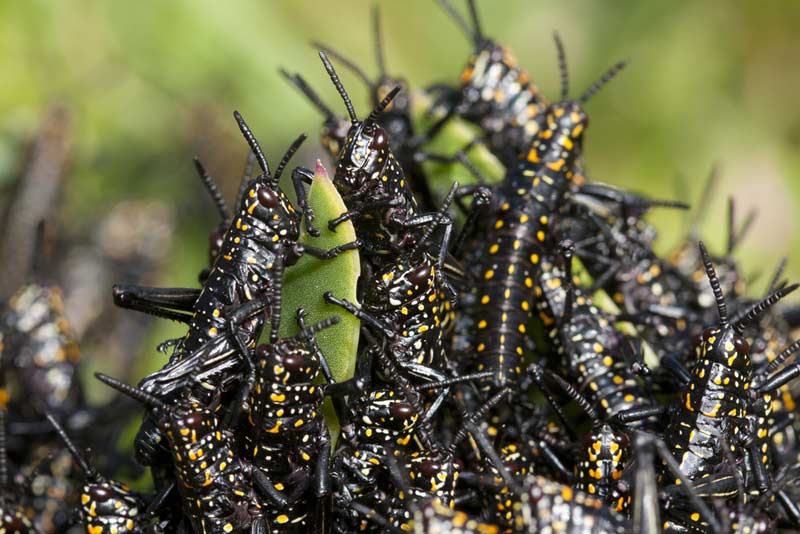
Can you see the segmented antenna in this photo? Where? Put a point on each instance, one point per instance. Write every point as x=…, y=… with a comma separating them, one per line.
x=780, y=358
x=213, y=190
x=344, y=60
x=254, y=146
x=660, y=203
x=776, y=277
x=575, y=395
x=562, y=66
x=312, y=330
x=151, y=401
x=3, y=451
x=735, y=235
x=90, y=472
x=763, y=306
x=382, y=104
x=744, y=228
x=376, y=24
x=339, y=87
x=476, y=23
x=713, y=279
x=459, y=20
x=604, y=79
x=288, y=156
x=246, y=177
x=702, y=202
x=479, y=414
x=277, y=300
x=301, y=85
x=731, y=242
x=447, y=382
x=630, y=200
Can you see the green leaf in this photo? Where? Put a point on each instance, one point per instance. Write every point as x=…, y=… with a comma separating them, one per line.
x=305, y=283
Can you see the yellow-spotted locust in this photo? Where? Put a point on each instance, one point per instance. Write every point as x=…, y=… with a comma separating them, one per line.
x=288, y=442
x=215, y=494
x=107, y=505
x=495, y=93
x=507, y=260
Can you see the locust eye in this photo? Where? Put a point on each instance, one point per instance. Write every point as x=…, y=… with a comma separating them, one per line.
x=267, y=197
x=401, y=410
x=380, y=139
x=293, y=362
x=193, y=421
x=741, y=346
x=100, y=493
x=420, y=275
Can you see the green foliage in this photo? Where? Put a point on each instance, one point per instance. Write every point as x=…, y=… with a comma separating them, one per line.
x=305, y=283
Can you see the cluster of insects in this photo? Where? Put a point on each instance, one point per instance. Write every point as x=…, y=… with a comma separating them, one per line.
x=495, y=388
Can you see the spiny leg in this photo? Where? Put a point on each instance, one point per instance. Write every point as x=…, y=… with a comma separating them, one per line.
x=176, y=304
x=299, y=176
x=360, y=314
x=300, y=248
x=481, y=197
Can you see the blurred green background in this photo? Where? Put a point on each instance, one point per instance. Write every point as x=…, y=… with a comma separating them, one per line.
x=149, y=84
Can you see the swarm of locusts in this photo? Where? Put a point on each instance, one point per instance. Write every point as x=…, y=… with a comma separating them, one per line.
x=525, y=361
